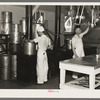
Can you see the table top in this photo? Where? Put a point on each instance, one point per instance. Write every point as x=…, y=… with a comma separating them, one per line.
x=90, y=61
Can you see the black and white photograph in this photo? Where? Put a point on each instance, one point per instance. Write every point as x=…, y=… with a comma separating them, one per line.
x=50, y=47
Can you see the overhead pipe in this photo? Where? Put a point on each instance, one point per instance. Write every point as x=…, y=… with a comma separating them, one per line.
x=29, y=47
x=57, y=27
x=35, y=9
x=48, y=33
x=81, y=15
x=92, y=24
x=77, y=14
x=29, y=22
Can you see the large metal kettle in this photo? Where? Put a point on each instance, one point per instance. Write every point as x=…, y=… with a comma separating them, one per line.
x=29, y=48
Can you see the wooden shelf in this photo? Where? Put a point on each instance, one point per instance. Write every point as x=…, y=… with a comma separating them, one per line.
x=74, y=84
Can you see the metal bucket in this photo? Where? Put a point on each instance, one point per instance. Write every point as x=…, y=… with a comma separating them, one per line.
x=5, y=66
x=23, y=25
x=6, y=17
x=6, y=28
x=14, y=66
x=29, y=48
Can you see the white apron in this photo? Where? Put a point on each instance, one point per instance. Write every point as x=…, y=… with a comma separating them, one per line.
x=42, y=60
x=42, y=66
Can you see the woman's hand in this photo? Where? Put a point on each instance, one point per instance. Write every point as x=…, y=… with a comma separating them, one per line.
x=50, y=47
x=31, y=40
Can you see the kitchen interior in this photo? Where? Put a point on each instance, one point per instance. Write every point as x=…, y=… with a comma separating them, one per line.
x=18, y=55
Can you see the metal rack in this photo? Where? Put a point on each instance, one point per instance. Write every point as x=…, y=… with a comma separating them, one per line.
x=4, y=39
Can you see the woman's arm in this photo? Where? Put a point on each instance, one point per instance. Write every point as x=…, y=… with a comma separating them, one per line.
x=50, y=45
x=35, y=40
x=85, y=32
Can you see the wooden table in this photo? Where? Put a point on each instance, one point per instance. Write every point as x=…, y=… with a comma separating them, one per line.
x=89, y=65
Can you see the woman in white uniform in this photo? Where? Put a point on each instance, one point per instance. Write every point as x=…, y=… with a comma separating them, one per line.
x=42, y=61
x=77, y=45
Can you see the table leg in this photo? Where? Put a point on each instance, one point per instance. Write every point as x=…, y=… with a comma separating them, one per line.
x=92, y=81
x=62, y=77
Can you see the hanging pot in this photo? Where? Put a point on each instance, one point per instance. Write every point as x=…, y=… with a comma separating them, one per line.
x=29, y=48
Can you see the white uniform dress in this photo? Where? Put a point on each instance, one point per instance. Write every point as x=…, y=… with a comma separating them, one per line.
x=42, y=60
x=77, y=44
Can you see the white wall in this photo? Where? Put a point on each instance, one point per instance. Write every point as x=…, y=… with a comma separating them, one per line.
x=17, y=12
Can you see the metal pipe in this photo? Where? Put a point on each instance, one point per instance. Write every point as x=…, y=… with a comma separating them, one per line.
x=81, y=15
x=29, y=22
x=57, y=27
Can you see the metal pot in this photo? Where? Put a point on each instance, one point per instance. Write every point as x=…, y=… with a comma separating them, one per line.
x=4, y=60
x=6, y=17
x=29, y=48
x=5, y=66
x=15, y=37
x=15, y=27
x=15, y=34
x=23, y=25
x=6, y=28
x=14, y=66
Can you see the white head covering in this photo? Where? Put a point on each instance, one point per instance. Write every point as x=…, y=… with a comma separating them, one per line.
x=40, y=29
x=78, y=30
